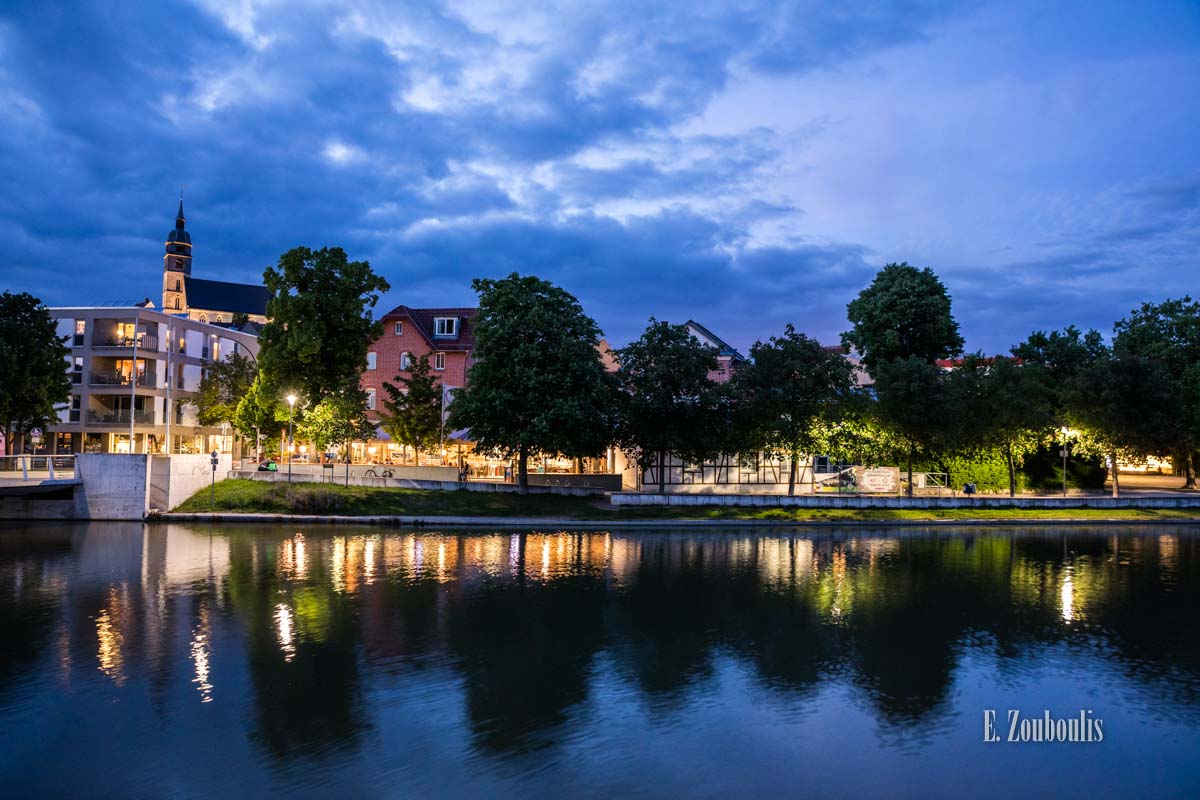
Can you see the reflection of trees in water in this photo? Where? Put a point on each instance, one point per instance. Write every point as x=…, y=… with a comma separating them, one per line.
x=32, y=578
x=522, y=618
x=303, y=646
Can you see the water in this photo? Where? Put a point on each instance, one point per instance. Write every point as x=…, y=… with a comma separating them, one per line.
x=333, y=662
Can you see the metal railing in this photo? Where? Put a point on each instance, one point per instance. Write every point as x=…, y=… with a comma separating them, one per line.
x=37, y=468
x=120, y=379
x=118, y=416
x=144, y=341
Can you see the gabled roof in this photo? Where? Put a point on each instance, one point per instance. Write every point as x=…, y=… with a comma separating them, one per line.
x=724, y=347
x=236, y=298
x=422, y=320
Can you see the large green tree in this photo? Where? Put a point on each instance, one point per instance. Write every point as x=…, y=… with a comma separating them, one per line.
x=320, y=321
x=1000, y=405
x=791, y=386
x=412, y=408
x=913, y=404
x=222, y=388
x=33, y=363
x=904, y=313
x=670, y=406
x=261, y=412
x=1168, y=334
x=338, y=419
x=538, y=384
x=1117, y=404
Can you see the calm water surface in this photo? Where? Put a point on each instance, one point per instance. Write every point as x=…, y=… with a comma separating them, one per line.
x=154, y=661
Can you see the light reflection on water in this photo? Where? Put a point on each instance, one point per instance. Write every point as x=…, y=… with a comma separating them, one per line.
x=248, y=661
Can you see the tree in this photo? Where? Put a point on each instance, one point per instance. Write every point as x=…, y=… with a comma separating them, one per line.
x=1168, y=334
x=1116, y=403
x=670, y=407
x=413, y=409
x=222, y=388
x=321, y=324
x=912, y=403
x=1000, y=404
x=338, y=419
x=904, y=313
x=538, y=384
x=791, y=383
x=261, y=409
x=33, y=361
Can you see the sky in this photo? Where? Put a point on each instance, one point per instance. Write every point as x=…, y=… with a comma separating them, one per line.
x=743, y=164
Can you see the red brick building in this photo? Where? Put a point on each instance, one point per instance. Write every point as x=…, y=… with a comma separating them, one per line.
x=445, y=335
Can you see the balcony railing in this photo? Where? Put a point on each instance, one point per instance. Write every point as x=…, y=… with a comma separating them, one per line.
x=120, y=416
x=119, y=379
x=144, y=342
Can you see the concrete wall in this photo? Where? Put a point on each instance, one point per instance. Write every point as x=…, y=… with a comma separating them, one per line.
x=861, y=501
x=175, y=478
x=113, y=486
x=408, y=483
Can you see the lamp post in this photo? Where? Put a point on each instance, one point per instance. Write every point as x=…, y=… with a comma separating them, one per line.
x=291, y=398
x=1064, y=432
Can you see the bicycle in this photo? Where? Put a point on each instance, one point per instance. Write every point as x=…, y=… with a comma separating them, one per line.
x=387, y=473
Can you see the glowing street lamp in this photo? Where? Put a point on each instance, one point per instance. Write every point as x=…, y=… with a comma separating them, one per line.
x=291, y=398
x=1065, y=432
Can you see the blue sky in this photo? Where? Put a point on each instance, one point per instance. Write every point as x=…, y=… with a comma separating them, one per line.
x=745, y=164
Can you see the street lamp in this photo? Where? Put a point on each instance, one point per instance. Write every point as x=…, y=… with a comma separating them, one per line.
x=1064, y=433
x=291, y=398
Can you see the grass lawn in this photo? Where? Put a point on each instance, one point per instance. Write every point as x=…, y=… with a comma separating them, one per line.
x=250, y=496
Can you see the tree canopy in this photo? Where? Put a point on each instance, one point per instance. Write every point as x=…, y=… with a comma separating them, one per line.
x=670, y=406
x=412, y=408
x=222, y=388
x=337, y=420
x=791, y=385
x=904, y=313
x=320, y=321
x=538, y=384
x=33, y=361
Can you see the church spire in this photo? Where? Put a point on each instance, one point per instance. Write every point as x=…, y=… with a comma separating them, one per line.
x=179, y=219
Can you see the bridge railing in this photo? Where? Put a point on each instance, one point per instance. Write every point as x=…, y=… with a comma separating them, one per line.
x=37, y=468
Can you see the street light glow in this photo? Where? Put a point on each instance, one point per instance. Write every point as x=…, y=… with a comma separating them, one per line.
x=291, y=398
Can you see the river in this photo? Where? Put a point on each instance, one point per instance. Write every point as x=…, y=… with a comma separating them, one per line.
x=316, y=661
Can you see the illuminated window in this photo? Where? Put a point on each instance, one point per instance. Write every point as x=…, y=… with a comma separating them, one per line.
x=371, y=360
x=371, y=399
x=439, y=360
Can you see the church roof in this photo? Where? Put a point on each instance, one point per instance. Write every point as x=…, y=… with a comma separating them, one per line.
x=235, y=298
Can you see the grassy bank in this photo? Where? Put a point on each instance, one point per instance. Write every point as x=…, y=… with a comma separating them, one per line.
x=314, y=498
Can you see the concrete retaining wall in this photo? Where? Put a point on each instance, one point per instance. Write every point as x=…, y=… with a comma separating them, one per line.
x=175, y=478
x=319, y=472
x=405, y=483
x=113, y=486
x=867, y=501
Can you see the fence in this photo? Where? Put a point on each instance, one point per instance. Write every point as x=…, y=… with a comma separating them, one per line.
x=38, y=468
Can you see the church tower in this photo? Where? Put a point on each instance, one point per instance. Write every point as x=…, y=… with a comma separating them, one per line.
x=177, y=266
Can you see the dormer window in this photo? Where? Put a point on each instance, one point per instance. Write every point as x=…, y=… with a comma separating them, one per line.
x=445, y=326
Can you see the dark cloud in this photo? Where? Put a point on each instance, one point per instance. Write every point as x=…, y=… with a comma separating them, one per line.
x=449, y=142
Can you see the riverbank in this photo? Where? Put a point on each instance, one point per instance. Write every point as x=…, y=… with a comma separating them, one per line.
x=253, y=501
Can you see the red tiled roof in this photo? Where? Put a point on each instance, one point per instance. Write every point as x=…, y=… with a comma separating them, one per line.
x=422, y=320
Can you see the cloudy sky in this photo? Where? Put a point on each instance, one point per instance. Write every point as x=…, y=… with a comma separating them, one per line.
x=744, y=164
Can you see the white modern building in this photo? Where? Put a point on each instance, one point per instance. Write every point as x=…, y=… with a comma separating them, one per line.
x=133, y=372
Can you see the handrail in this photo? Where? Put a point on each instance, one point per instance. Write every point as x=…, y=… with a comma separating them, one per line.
x=38, y=467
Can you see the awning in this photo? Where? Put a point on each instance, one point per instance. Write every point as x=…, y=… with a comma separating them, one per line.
x=381, y=434
x=460, y=435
